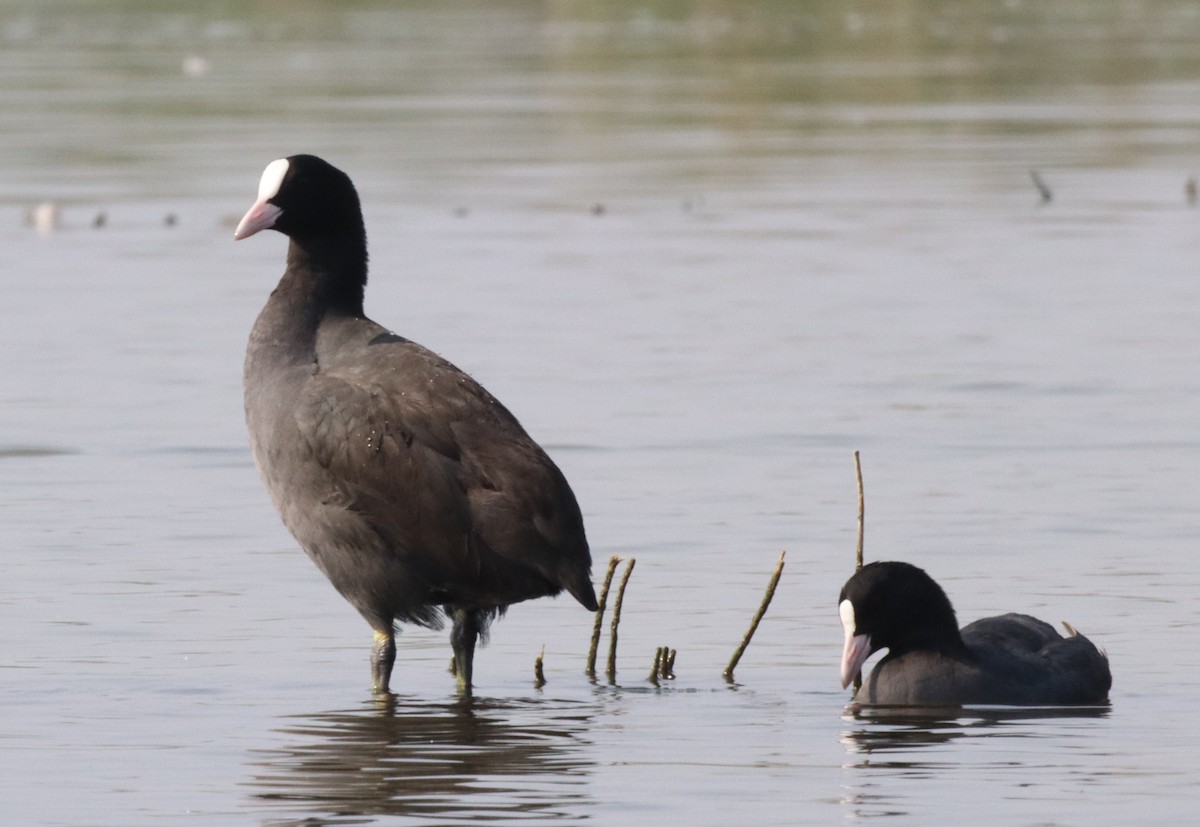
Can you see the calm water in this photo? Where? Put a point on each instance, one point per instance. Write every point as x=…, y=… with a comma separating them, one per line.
x=704, y=252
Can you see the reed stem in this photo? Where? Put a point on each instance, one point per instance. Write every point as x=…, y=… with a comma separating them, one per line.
x=611, y=671
x=599, y=622
x=758, y=616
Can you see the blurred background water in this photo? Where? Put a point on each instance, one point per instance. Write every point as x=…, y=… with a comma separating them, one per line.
x=705, y=251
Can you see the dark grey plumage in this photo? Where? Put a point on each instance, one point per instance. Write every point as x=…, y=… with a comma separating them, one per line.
x=1011, y=659
x=406, y=482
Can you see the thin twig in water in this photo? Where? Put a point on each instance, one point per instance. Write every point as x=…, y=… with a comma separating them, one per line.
x=608, y=576
x=659, y=654
x=858, y=552
x=611, y=671
x=539, y=676
x=762, y=610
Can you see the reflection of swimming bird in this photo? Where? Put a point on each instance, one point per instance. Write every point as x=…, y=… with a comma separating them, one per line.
x=407, y=483
x=1010, y=659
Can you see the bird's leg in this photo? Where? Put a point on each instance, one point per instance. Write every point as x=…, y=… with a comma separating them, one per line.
x=383, y=655
x=462, y=641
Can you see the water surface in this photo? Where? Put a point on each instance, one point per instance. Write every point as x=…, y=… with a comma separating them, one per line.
x=704, y=254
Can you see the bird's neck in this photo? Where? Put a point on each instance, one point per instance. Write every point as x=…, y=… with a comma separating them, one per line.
x=321, y=280
x=937, y=633
x=327, y=273
x=955, y=647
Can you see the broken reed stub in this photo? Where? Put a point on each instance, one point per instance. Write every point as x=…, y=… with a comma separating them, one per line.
x=539, y=674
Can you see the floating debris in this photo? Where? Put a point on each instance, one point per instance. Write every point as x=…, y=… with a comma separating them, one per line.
x=1042, y=188
x=195, y=66
x=44, y=217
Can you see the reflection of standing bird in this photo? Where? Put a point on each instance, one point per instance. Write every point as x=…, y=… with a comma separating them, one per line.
x=1011, y=659
x=407, y=483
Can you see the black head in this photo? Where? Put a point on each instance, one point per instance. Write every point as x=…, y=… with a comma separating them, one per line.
x=894, y=606
x=304, y=197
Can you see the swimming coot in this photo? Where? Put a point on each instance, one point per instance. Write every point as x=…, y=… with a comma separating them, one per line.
x=408, y=484
x=1012, y=659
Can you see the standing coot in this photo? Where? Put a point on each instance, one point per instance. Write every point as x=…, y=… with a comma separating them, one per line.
x=406, y=482
x=1011, y=659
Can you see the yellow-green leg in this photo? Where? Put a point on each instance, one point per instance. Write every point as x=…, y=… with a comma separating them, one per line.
x=463, y=636
x=383, y=655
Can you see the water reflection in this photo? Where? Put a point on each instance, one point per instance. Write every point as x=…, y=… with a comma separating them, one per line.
x=889, y=749
x=884, y=729
x=473, y=759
